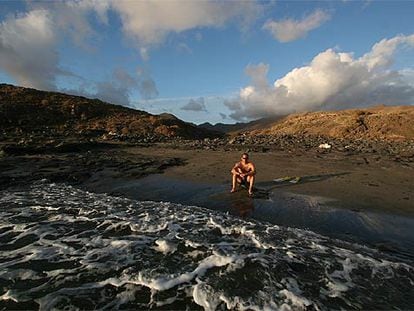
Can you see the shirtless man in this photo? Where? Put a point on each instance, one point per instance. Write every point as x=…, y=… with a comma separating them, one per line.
x=243, y=171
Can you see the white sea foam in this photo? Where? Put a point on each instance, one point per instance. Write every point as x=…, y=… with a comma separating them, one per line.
x=165, y=246
x=204, y=295
x=61, y=246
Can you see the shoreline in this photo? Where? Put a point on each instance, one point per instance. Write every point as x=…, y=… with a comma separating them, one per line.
x=389, y=233
x=354, y=182
x=147, y=250
x=356, y=198
x=358, y=182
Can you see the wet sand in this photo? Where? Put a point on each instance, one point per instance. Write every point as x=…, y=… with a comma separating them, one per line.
x=351, y=198
x=366, y=182
x=356, y=182
x=362, y=198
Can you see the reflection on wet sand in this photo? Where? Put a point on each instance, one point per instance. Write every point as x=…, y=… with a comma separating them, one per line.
x=242, y=208
x=280, y=207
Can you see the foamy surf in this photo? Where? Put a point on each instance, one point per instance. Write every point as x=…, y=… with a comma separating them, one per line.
x=62, y=247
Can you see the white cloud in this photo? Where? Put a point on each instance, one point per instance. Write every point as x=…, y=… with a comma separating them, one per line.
x=149, y=22
x=28, y=41
x=195, y=105
x=332, y=80
x=72, y=18
x=290, y=29
x=27, y=49
x=258, y=75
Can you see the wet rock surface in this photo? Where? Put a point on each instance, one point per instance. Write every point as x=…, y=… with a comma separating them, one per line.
x=77, y=167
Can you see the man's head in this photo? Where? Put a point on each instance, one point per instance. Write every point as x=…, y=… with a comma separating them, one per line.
x=245, y=157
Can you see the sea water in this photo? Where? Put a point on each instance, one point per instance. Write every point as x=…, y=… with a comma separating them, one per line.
x=65, y=248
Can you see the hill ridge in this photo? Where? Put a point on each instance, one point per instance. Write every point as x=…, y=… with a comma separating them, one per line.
x=378, y=122
x=26, y=110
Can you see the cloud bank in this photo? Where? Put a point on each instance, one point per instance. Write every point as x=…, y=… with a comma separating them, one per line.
x=332, y=80
x=290, y=29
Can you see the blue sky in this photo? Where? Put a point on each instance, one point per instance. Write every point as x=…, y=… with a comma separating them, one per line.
x=216, y=61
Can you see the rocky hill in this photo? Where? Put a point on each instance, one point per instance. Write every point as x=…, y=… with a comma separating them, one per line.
x=241, y=127
x=25, y=111
x=376, y=123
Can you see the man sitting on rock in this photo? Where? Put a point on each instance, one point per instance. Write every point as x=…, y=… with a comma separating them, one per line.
x=244, y=173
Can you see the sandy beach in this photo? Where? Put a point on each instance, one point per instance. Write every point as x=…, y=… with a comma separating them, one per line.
x=358, y=182
x=355, y=182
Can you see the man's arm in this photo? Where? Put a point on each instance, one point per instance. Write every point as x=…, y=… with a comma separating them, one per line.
x=236, y=169
x=252, y=171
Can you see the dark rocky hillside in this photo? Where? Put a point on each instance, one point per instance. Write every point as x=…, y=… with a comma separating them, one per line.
x=32, y=113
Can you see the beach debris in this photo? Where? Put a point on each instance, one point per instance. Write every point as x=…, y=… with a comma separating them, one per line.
x=282, y=179
x=295, y=180
x=291, y=179
x=325, y=146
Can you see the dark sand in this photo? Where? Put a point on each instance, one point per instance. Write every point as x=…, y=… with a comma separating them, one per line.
x=354, y=182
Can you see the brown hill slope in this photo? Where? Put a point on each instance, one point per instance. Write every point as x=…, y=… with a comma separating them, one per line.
x=385, y=123
x=234, y=129
x=24, y=110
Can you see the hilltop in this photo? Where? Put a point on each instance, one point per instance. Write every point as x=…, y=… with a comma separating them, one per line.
x=241, y=127
x=376, y=123
x=25, y=111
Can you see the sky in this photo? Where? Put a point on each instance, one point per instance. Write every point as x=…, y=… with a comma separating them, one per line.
x=213, y=61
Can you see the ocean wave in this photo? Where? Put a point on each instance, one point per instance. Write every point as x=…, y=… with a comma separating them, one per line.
x=62, y=247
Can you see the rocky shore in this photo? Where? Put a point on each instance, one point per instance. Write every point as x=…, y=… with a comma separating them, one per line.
x=75, y=163
x=297, y=142
x=401, y=150
x=77, y=158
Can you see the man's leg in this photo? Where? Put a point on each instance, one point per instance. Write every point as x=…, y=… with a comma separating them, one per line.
x=234, y=183
x=250, y=180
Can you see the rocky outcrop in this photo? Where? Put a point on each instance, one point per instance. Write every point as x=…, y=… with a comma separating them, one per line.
x=30, y=113
x=378, y=123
